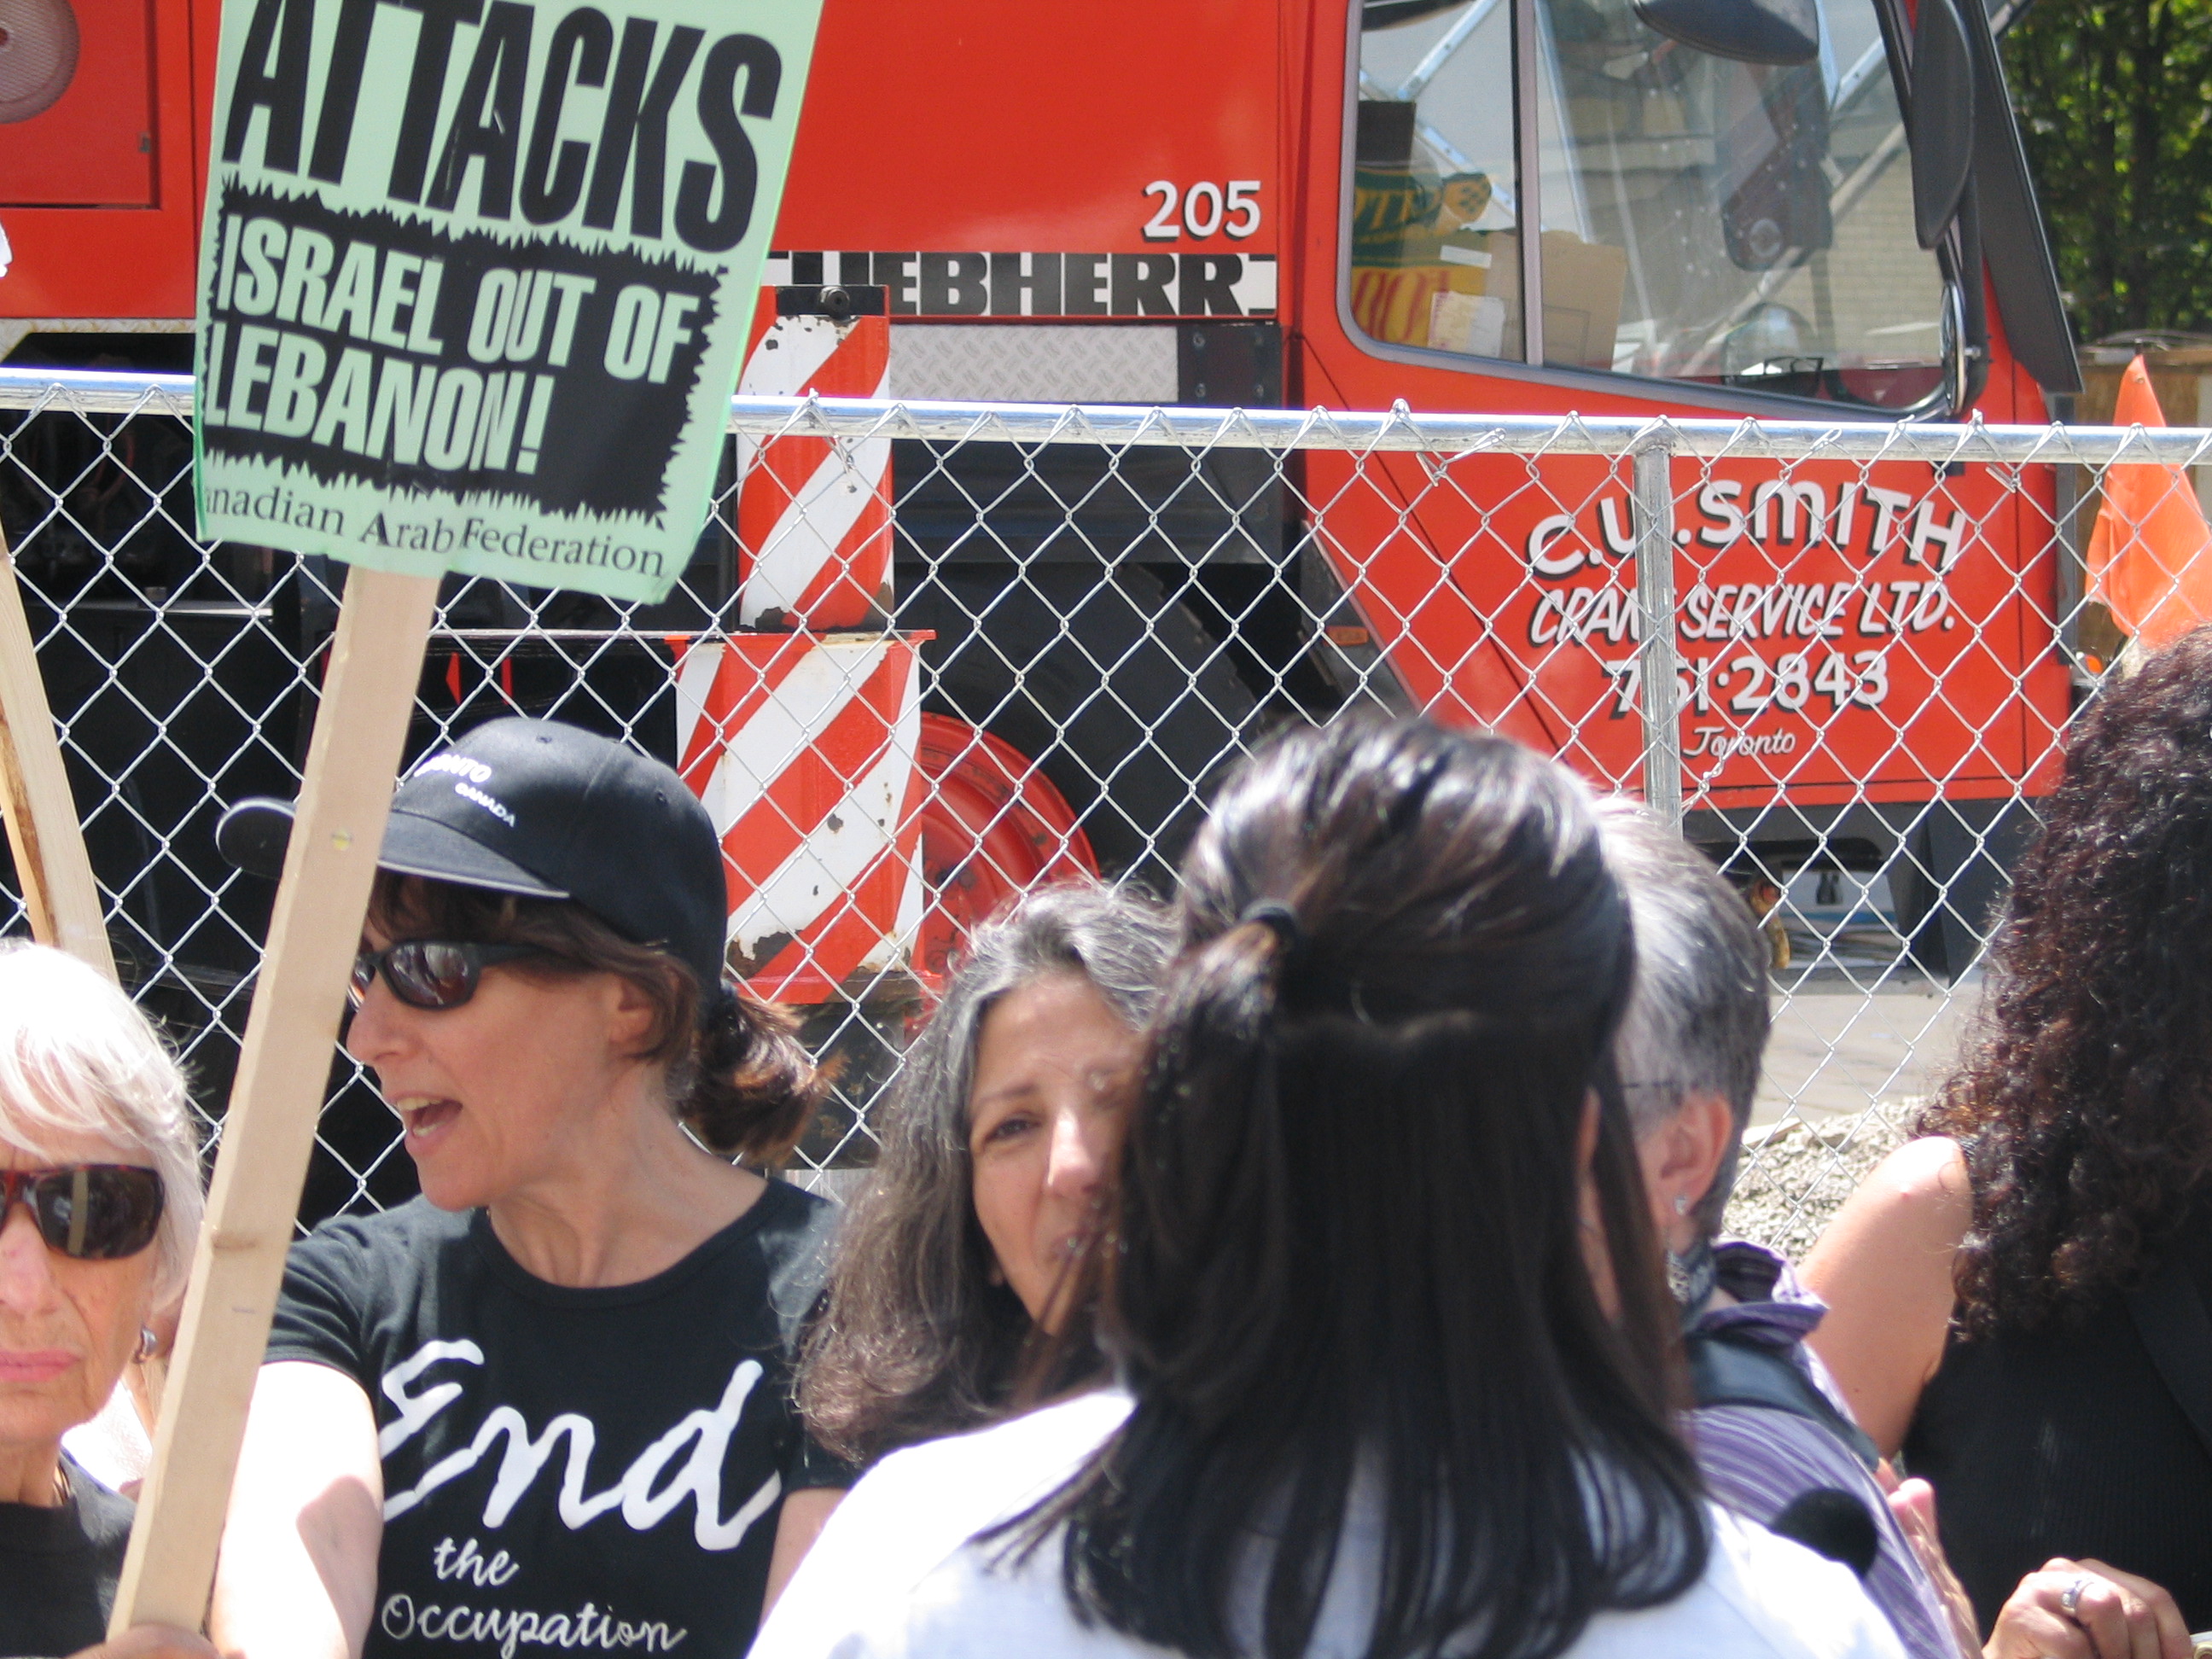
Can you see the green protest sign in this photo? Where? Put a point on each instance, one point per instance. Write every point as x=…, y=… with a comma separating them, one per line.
x=475, y=274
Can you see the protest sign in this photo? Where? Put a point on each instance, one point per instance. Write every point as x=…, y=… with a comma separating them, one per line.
x=475, y=274
x=474, y=279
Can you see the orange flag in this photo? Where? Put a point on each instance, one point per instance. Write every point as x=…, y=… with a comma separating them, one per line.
x=2150, y=556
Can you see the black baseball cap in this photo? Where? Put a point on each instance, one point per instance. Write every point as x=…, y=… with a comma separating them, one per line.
x=547, y=810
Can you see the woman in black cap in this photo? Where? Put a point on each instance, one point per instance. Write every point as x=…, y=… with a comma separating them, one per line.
x=548, y=1404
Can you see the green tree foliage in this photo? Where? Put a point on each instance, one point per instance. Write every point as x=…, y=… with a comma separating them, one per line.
x=2115, y=98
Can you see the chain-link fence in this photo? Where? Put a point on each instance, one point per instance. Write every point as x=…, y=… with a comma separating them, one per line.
x=1879, y=635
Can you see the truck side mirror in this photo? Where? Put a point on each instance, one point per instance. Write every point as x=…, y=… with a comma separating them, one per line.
x=1778, y=32
x=1959, y=384
x=1940, y=120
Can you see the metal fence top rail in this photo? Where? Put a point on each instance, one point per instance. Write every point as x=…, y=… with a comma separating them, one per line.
x=1443, y=437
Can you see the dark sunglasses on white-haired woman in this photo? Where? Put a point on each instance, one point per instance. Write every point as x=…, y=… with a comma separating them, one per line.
x=91, y=1211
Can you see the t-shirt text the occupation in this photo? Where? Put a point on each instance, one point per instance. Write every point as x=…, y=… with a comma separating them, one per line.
x=596, y=1467
x=596, y=104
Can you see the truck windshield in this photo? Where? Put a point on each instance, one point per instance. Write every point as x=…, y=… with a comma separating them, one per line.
x=1702, y=219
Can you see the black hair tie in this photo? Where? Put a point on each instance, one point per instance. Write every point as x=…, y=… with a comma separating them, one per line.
x=1278, y=918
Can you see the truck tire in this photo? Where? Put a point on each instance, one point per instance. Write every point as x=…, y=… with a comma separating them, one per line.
x=1131, y=710
x=1950, y=877
x=993, y=826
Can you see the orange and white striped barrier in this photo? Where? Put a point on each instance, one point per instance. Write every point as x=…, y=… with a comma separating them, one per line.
x=802, y=746
x=814, y=516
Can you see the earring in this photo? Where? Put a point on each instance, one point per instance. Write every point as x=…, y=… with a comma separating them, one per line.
x=147, y=1343
x=1681, y=1204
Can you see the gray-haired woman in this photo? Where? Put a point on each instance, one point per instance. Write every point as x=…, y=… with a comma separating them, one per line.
x=99, y=1208
x=1007, y=1116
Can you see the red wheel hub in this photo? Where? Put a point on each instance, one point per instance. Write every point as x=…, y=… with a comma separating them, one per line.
x=993, y=827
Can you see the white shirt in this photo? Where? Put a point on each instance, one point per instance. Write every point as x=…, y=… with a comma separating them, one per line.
x=894, y=1574
x=113, y=1448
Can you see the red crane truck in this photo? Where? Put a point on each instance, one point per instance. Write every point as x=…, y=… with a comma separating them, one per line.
x=1772, y=209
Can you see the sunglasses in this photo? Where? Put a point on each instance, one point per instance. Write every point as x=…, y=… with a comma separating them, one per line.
x=430, y=973
x=90, y=1211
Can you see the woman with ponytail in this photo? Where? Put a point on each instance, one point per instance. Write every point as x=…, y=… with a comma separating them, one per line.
x=1392, y=1339
x=548, y=1403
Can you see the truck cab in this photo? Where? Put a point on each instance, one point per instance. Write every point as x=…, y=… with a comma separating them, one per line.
x=1765, y=209
x=1715, y=207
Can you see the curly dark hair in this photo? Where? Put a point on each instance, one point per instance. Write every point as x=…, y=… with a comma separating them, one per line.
x=2084, y=1105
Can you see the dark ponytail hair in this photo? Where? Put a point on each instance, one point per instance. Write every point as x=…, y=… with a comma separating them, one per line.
x=1351, y=1259
x=738, y=1077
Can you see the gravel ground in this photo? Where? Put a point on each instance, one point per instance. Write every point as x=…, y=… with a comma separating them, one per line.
x=1796, y=1173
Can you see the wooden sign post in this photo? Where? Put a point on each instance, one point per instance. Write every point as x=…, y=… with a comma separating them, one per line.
x=570, y=385
x=282, y=1069
x=43, y=831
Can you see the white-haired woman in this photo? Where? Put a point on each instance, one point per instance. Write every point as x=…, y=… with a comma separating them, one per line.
x=100, y=1204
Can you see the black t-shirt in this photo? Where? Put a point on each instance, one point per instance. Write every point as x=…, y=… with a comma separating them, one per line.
x=58, y=1568
x=593, y=1470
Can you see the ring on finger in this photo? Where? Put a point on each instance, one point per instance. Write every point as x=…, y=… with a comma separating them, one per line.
x=2069, y=1599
